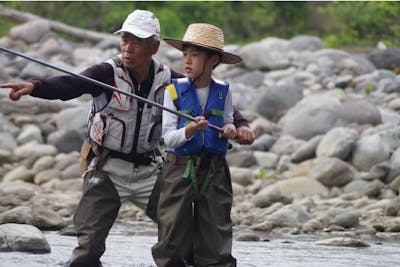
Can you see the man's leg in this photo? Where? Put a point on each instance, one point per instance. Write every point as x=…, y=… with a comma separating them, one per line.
x=93, y=219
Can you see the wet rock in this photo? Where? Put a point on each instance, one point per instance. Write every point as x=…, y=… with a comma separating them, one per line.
x=247, y=237
x=343, y=242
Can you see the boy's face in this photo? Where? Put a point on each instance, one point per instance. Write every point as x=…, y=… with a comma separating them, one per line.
x=196, y=62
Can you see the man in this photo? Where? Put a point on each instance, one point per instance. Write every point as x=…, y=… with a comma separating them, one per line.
x=123, y=132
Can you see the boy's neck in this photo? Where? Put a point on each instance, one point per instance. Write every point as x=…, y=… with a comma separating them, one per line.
x=202, y=81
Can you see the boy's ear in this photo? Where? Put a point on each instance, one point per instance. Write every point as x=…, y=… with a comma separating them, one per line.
x=215, y=60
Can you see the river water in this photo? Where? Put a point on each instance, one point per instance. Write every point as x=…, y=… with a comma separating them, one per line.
x=125, y=248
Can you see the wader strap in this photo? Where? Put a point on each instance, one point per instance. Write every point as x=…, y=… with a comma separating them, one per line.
x=99, y=161
x=190, y=173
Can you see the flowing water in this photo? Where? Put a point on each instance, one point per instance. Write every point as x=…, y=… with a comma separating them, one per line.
x=124, y=249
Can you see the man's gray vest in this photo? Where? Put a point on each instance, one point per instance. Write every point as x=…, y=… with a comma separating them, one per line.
x=112, y=123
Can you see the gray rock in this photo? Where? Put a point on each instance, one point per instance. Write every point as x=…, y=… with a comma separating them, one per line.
x=241, y=176
x=306, y=150
x=31, y=31
x=33, y=150
x=373, y=189
x=46, y=175
x=293, y=214
x=333, y=172
x=241, y=159
x=273, y=102
x=7, y=141
x=317, y=114
x=21, y=237
x=337, y=142
x=46, y=219
x=375, y=146
x=305, y=43
x=385, y=59
x=20, y=173
x=29, y=133
x=342, y=242
x=269, y=195
x=348, y=219
x=21, y=215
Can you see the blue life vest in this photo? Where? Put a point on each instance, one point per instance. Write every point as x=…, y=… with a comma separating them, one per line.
x=188, y=102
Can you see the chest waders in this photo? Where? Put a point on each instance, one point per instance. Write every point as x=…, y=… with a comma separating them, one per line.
x=190, y=173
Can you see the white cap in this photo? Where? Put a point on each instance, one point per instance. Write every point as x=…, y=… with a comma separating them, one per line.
x=141, y=23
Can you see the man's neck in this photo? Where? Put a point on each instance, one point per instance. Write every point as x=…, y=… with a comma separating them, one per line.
x=141, y=74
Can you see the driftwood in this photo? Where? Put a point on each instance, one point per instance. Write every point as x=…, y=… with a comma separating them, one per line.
x=80, y=34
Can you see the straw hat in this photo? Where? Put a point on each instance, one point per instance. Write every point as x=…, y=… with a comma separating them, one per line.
x=206, y=36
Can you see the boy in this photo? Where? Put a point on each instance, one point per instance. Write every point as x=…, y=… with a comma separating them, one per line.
x=196, y=193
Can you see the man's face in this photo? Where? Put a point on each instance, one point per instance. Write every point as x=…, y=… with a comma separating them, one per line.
x=136, y=52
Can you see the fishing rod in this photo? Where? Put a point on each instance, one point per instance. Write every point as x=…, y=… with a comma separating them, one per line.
x=108, y=87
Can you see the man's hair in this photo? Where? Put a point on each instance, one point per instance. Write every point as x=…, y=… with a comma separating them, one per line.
x=153, y=39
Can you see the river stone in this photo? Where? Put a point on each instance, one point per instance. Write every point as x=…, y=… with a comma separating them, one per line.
x=241, y=176
x=43, y=163
x=338, y=142
x=373, y=189
x=32, y=31
x=305, y=43
x=20, y=173
x=33, y=150
x=46, y=219
x=270, y=195
x=385, y=59
x=241, y=159
x=333, y=172
x=348, y=219
x=22, y=237
x=21, y=215
x=342, y=242
x=290, y=215
x=247, y=237
x=306, y=150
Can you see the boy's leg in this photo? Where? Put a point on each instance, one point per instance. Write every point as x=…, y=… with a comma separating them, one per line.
x=213, y=225
x=94, y=216
x=175, y=217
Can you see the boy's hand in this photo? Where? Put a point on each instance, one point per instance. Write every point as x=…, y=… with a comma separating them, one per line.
x=229, y=131
x=196, y=126
x=18, y=89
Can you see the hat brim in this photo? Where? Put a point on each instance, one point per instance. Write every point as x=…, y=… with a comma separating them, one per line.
x=137, y=32
x=226, y=57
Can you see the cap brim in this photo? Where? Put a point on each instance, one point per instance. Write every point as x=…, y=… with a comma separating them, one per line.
x=137, y=32
x=227, y=58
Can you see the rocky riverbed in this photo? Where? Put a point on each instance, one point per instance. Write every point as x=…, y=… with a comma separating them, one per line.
x=326, y=158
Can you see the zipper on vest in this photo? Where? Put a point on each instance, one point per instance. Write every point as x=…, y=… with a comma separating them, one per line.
x=138, y=122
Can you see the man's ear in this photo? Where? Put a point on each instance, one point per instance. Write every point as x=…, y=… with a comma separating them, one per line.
x=156, y=46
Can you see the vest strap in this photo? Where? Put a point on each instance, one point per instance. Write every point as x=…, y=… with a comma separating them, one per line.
x=190, y=173
x=214, y=112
